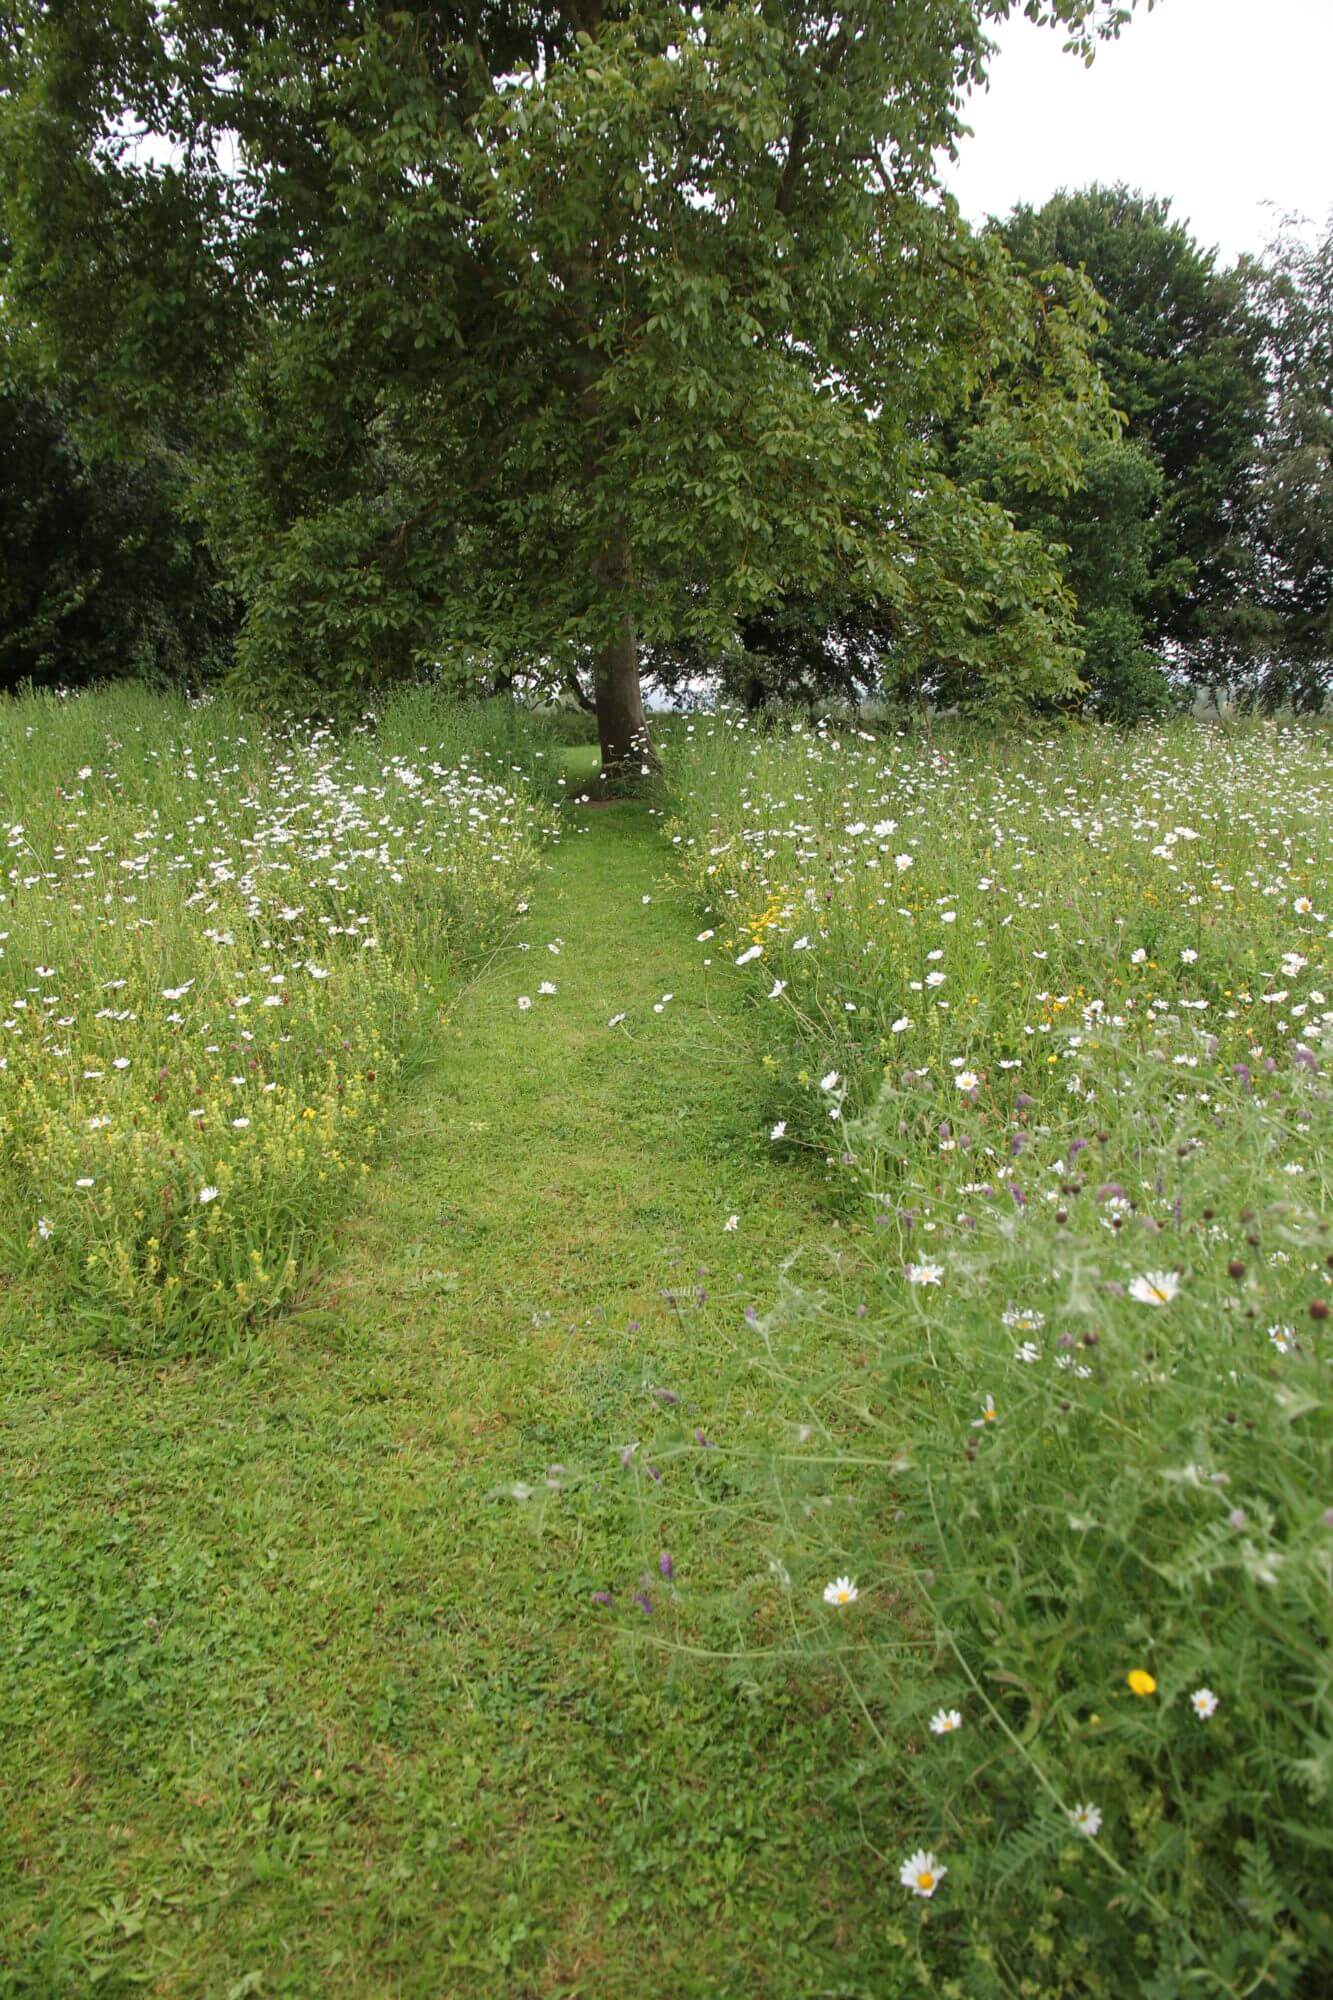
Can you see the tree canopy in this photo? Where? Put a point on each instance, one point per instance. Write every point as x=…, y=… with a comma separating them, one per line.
x=1181, y=350
x=545, y=330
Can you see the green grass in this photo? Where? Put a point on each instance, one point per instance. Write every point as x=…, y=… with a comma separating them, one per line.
x=290, y=1694
x=311, y=1685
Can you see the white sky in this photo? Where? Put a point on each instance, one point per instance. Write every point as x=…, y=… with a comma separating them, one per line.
x=1219, y=104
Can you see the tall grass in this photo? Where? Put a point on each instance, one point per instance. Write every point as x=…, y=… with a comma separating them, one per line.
x=1052, y=1516
x=221, y=948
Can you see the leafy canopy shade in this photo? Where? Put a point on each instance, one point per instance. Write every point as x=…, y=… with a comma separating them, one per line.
x=545, y=329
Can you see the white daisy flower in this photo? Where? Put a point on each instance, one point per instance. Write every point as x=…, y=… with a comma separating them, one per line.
x=1155, y=1288
x=1204, y=1703
x=922, y=1873
x=207, y=1194
x=945, y=1721
x=524, y=1002
x=1087, y=1819
x=841, y=1591
x=924, y=1274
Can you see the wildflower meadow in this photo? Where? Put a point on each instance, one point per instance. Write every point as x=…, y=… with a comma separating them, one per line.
x=219, y=945
x=666, y=1000
x=1055, y=1012
x=758, y=1358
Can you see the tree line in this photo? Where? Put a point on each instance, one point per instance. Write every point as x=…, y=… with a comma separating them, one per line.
x=556, y=343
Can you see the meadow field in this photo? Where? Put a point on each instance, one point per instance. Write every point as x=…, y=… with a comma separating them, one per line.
x=724, y=1395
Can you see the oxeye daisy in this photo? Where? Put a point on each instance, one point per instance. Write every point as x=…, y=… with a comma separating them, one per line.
x=945, y=1721
x=924, y=1274
x=1155, y=1288
x=1204, y=1703
x=841, y=1591
x=922, y=1873
x=1087, y=1819
x=207, y=1194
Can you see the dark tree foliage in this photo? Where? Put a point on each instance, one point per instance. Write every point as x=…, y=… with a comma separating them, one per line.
x=1182, y=354
x=802, y=650
x=99, y=576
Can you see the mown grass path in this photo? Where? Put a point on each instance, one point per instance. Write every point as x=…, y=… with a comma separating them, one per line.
x=308, y=1709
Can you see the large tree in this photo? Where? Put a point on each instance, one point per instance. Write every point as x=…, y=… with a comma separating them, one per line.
x=541, y=330
x=1181, y=350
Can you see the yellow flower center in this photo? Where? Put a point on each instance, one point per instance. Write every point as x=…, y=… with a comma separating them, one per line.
x=925, y=1880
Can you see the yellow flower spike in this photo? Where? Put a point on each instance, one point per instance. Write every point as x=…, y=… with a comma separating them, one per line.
x=1141, y=1682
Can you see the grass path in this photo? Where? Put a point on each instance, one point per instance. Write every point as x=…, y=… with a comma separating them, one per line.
x=307, y=1709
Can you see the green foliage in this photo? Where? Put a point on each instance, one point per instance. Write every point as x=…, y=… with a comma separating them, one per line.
x=468, y=280
x=1181, y=351
x=1293, y=292
x=1106, y=533
x=100, y=577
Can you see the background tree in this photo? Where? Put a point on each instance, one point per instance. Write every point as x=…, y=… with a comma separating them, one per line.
x=1181, y=353
x=540, y=332
x=100, y=576
x=1105, y=532
x=1292, y=290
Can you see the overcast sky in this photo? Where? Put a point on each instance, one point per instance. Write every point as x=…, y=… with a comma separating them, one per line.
x=1220, y=104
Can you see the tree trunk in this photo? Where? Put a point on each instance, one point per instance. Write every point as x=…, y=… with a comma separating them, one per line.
x=621, y=724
